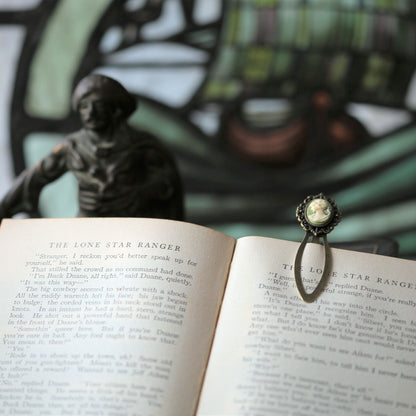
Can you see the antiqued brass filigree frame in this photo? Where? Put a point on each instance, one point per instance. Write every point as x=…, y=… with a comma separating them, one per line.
x=316, y=230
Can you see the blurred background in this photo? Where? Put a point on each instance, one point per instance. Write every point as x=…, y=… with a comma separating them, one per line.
x=262, y=103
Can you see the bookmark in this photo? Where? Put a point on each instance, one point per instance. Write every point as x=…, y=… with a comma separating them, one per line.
x=318, y=215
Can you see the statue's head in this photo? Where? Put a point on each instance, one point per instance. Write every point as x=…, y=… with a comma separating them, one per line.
x=101, y=101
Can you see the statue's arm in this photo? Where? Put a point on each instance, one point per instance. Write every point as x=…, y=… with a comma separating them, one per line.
x=24, y=193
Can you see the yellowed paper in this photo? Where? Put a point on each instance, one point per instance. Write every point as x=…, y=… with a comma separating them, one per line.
x=351, y=352
x=107, y=316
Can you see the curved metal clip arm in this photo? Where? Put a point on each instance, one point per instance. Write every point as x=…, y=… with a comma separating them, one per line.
x=310, y=297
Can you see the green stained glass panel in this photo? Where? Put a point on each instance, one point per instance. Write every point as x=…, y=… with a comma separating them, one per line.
x=60, y=198
x=224, y=66
x=218, y=89
x=287, y=29
x=349, y=3
x=322, y=26
x=303, y=37
x=265, y=3
x=258, y=64
x=246, y=25
x=171, y=131
x=397, y=179
x=391, y=147
x=377, y=72
x=57, y=58
x=407, y=243
x=232, y=22
x=282, y=63
x=345, y=29
x=338, y=68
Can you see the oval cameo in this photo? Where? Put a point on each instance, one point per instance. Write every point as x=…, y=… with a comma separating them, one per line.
x=318, y=212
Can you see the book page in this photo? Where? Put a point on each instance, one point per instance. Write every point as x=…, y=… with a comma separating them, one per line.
x=351, y=352
x=107, y=316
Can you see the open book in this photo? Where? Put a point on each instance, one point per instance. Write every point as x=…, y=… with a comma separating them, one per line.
x=128, y=317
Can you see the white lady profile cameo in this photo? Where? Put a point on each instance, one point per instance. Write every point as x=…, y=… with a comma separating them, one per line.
x=318, y=212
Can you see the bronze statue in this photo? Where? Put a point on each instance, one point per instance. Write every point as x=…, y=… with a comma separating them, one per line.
x=121, y=172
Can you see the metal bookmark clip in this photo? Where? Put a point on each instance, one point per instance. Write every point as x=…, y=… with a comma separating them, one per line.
x=318, y=215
